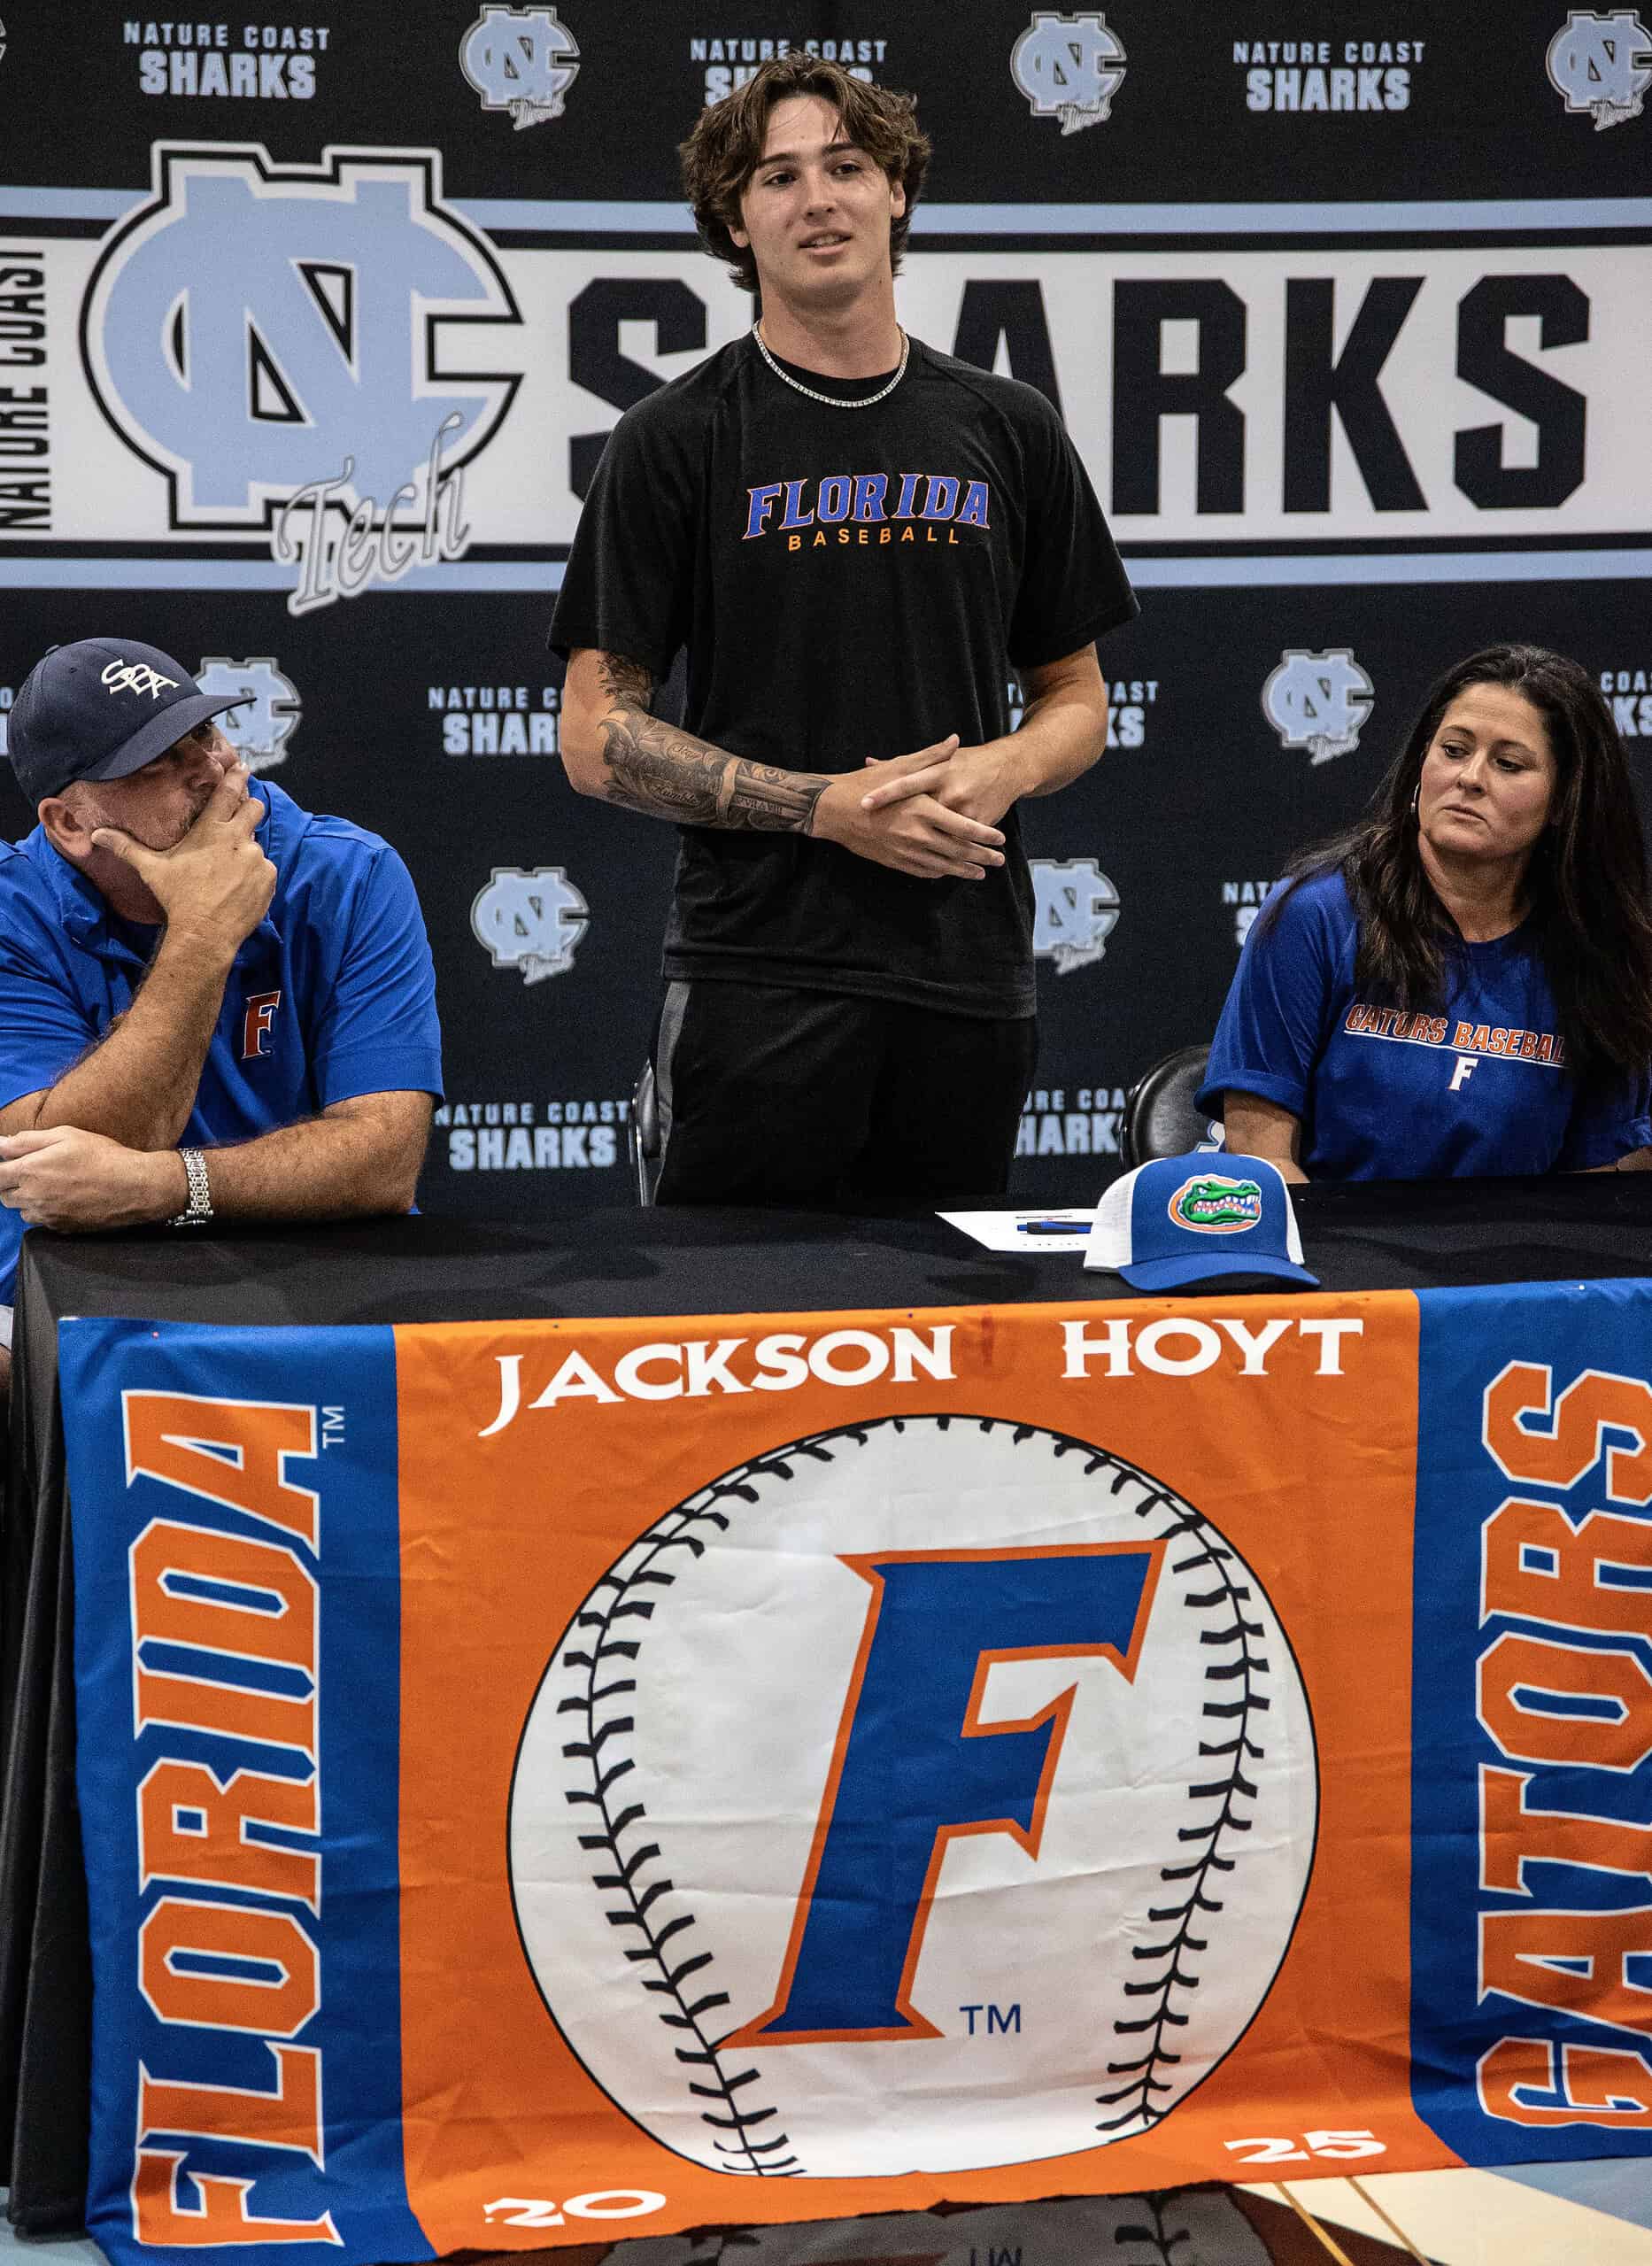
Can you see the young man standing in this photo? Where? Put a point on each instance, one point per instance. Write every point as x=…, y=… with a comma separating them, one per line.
x=856, y=538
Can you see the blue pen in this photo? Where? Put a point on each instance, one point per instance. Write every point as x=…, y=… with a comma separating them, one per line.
x=1052, y=1226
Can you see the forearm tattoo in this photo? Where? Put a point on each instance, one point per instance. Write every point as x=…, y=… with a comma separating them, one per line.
x=627, y=683
x=654, y=767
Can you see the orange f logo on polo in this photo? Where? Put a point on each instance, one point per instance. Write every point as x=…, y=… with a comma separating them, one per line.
x=256, y=1026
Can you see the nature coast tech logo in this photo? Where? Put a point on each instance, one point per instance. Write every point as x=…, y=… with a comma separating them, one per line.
x=1602, y=65
x=729, y=59
x=1630, y=692
x=267, y=714
x=1328, y=75
x=1318, y=701
x=1076, y=909
x=498, y=719
x=316, y=400
x=1017, y=1630
x=522, y=61
x=531, y=921
x=557, y=1135
x=1069, y=67
x=1246, y=899
x=244, y=62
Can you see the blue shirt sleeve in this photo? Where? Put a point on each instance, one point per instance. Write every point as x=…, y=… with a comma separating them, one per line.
x=377, y=1032
x=1610, y=1116
x=1273, y=1023
x=43, y=1031
x=43, y=1028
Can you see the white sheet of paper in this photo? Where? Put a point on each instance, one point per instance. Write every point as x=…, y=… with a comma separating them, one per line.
x=1065, y=1228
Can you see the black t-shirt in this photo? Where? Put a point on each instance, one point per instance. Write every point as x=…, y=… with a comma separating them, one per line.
x=848, y=583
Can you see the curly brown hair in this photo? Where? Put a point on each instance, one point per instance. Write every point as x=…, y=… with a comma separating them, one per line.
x=726, y=147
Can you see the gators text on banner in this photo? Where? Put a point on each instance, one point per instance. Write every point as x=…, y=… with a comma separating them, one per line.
x=546, y=1782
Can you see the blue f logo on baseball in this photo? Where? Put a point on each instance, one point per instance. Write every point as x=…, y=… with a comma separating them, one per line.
x=901, y=1738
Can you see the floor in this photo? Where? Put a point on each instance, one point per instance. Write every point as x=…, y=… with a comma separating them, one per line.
x=1552, y=2215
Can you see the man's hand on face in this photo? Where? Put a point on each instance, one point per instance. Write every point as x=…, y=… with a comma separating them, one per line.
x=910, y=825
x=214, y=886
x=67, y=1180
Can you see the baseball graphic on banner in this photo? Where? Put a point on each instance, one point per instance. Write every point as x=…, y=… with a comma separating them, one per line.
x=926, y=1795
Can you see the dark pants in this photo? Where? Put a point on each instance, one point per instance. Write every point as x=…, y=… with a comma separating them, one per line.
x=769, y=1095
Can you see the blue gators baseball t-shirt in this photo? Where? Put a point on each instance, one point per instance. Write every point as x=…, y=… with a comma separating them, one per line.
x=1481, y=1087
x=333, y=994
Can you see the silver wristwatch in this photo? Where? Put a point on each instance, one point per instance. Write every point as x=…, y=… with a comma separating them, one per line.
x=199, y=1209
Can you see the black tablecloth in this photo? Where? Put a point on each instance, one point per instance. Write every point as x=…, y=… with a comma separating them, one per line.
x=1397, y=1236
x=1409, y=1235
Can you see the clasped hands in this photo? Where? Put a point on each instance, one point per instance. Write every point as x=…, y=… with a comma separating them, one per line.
x=933, y=813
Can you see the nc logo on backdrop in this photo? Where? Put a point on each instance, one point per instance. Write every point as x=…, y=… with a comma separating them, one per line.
x=1318, y=701
x=1602, y=65
x=258, y=730
x=1069, y=67
x=258, y=328
x=531, y=921
x=1076, y=909
x=522, y=61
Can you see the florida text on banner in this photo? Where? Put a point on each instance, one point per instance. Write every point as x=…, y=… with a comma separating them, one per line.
x=550, y=1780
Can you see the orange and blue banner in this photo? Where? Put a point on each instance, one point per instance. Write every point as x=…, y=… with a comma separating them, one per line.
x=551, y=1781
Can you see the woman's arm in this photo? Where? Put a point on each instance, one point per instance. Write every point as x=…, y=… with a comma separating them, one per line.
x=1259, y=1075
x=1259, y=1128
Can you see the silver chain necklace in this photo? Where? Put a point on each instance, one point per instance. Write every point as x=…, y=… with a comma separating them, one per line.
x=832, y=400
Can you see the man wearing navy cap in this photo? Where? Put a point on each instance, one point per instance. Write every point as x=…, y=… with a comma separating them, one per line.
x=212, y=1003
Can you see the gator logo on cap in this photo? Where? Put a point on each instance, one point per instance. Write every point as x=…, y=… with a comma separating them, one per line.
x=1212, y=1205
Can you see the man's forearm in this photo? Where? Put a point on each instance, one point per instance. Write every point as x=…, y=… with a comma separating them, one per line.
x=653, y=766
x=335, y=1167
x=614, y=746
x=1060, y=736
x=359, y=1159
x=138, y=1085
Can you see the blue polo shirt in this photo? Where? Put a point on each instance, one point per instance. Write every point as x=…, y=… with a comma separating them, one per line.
x=332, y=995
x=1480, y=1086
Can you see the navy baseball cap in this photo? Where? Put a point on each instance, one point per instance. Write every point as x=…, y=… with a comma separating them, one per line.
x=1182, y=1219
x=100, y=709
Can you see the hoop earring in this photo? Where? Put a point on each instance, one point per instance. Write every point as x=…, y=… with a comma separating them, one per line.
x=1416, y=797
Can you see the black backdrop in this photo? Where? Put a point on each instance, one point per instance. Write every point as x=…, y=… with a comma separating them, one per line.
x=1348, y=308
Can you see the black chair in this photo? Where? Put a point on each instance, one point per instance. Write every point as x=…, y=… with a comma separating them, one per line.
x=642, y=1135
x=1159, y=1119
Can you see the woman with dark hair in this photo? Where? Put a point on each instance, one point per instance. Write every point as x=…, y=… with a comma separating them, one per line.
x=1461, y=983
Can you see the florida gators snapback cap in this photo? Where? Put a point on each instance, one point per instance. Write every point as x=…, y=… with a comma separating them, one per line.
x=1181, y=1219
